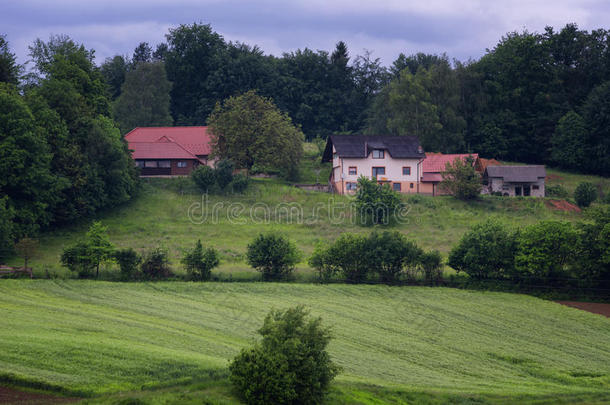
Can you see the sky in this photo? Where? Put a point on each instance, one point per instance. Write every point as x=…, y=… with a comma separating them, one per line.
x=461, y=29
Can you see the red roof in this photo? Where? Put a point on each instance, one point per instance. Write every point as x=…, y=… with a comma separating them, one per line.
x=436, y=162
x=194, y=141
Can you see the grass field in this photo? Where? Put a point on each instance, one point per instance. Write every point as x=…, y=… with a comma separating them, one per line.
x=98, y=338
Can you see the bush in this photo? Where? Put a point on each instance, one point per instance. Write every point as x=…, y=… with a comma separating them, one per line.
x=290, y=365
x=389, y=253
x=431, y=265
x=585, y=194
x=347, y=255
x=204, y=177
x=594, y=253
x=77, y=259
x=128, y=260
x=90, y=253
x=486, y=251
x=199, y=262
x=155, y=264
x=557, y=190
x=375, y=203
x=546, y=250
x=273, y=255
x=224, y=173
x=240, y=183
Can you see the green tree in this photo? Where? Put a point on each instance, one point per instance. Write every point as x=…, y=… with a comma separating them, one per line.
x=348, y=255
x=568, y=142
x=6, y=229
x=199, y=262
x=584, y=194
x=250, y=130
x=596, y=113
x=376, y=204
x=144, y=99
x=128, y=260
x=290, y=365
x=155, y=264
x=205, y=177
x=593, y=262
x=390, y=252
x=461, y=180
x=10, y=70
x=26, y=248
x=114, y=71
x=99, y=247
x=143, y=53
x=224, y=173
x=273, y=255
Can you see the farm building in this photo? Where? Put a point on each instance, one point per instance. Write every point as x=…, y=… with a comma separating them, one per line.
x=433, y=166
x=169, y=151
x=515, y=180
x=392, y=160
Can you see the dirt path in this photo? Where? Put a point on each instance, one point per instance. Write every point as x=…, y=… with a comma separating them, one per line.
x=596, y=308
x=16, y=397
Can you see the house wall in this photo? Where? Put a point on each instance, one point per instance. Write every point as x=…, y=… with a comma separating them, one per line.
x=183, y=171
x=364, y=167
x=498, y=185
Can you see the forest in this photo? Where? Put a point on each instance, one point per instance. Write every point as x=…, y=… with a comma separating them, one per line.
x=534, y=97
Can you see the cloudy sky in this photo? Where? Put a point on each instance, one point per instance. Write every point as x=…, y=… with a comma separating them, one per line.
x=462, y=29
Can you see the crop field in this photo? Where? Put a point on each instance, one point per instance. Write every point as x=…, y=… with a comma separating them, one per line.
x=89, y=338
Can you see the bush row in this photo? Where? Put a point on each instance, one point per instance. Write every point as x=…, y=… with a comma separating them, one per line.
x=220, y=177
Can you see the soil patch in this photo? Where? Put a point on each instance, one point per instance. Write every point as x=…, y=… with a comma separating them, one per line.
x=553, y=177
x=17, y=397
x=595, y=307
x=562, y=205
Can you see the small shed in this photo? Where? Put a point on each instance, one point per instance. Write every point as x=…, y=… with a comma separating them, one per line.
x=526, y=180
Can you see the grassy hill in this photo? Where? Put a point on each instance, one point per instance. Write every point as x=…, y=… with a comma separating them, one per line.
x=98, y=338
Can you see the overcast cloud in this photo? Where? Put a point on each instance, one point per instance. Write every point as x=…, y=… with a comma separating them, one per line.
x=462, y=29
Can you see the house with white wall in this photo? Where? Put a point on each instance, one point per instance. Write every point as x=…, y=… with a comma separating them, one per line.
x=393, y=160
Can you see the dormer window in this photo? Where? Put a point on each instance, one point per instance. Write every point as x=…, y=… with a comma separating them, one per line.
x=378, y=154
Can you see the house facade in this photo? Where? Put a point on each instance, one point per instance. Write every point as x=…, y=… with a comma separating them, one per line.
x=515, y=181
x=169, y=151
x=434, y=165
x=392, y=160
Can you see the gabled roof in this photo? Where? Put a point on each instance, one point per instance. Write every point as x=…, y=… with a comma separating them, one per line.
x=437, y=162
x=159, y=150
x=360, y=146
x=517, y=174
x=195, y=140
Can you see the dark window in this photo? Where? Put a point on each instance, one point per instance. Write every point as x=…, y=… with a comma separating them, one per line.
x=151, y=163
x=378, y=171
x=353, y=170
x=378, y=154
x=165, y=163
x=350, y=186
x=181, y=164
x=139, y=163
x=406, y=171
x=411, y=185
x=396, y=186
x=535, y=187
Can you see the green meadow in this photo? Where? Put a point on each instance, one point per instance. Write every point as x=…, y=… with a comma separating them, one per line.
x=110, y=341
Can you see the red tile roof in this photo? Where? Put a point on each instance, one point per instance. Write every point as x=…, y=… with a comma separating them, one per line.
x=436, y=162
x=193, y=140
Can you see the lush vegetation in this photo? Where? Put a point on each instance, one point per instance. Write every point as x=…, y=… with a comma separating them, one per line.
x=92, y=337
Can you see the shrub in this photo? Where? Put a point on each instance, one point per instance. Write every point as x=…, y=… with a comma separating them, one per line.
x=431, y=264
x=347, y=255
x=557, y=190
x=77, y=259
x=461, y=180
x=585, y=194
x=240, y=183
x=204, y=177
x=290, y=365
x=594, y=253
x=26, y=248
x=90, y=253
x=128, y=260
x=375, y=203
x=388, y=253
x=199, y=262
x=155, y=264
x=273, y=255
x=485, y=251
x=224, y=173
x=546, y=250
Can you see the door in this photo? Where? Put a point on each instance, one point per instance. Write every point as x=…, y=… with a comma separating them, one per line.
x=526, y=191
x=517, y=190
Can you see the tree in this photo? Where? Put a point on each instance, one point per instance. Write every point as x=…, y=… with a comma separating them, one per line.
x=6, y=229
x=290, y=365
x=585, y=194
x=376, y=204
x=199, y=262
x=596, y=113
x=348, y=255
x=114, y=71
x=594, y=248
x=142, y=54
x=273, y=255
x=568, y=142
x=128, y=260
x=390, y=252
x=205, y=177
x=224, y=173
x=155, y=264
x=461, y=180
x=26, y=248
x=144, y=99
x=250, y=130
x=99, y=248
x=10, y=70
x=485, y=251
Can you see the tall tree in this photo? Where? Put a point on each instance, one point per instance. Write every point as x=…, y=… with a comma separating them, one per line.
x=142, y=54
x=569, y=142
x=10, y=70
x=114, y=70
x=596, y=113
x=144, y=99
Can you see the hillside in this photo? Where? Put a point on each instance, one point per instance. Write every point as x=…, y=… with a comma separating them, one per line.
x=91, y=338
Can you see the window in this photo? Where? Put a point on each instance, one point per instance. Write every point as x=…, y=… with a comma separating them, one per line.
x=378, y=153
x=350, y=186
x=396, y=186
x=334, y=155
x=139, y=163
x=378, y=171
x=406, y=171
x=353, y=170
x=151, y=163
x=165, y=163
x=535, y=187
x=181, y=164
x=411, y=185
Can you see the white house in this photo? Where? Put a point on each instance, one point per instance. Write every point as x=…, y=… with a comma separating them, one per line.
x=394, y=160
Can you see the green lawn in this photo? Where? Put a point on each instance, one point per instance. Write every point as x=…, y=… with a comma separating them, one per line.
x=98, y=338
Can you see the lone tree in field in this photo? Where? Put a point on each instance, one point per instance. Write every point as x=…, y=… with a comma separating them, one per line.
x=26, y=248
x=290, y=365
x=250, y=130
x=199, y=262
x=461, y=180
x=273, y=255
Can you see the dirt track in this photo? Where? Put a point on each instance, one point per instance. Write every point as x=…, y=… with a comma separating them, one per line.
x=596, y=308
x=13, y=396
